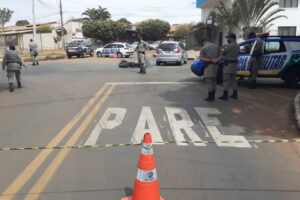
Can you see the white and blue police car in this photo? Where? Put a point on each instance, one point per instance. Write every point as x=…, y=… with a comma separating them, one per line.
x=281, y=59
x=116, y=48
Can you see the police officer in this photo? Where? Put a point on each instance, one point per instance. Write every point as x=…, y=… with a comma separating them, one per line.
x=33, y=48
x=13, y=63
x=230, y=55
x=141, y=52
x=256, y=59
x=210, y=53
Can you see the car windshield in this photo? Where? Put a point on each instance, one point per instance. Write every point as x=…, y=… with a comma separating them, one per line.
x=168, y=46
x=128, y=45
x=74, y=44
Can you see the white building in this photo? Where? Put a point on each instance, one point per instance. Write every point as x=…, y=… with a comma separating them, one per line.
x=20, y=35
x=283, y=26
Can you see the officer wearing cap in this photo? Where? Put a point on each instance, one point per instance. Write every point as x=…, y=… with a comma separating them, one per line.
x=209, y=54
x=33, y=48
x=12, y=62
x=141, y=51
x=230, y=55
x=256, y=59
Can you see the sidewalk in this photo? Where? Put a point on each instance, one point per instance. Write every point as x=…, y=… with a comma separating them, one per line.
x=297, y=110
x=43, y=55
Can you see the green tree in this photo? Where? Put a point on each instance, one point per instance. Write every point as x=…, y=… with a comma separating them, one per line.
x=103, y=13
x=247, y=15
x=22, y=23
x=5, y=16
x=257, y=13
x=183, y=30
x=44, y=29
x=153, y=29
x=126, y=22
x=96, y=14
x=58, y=37
x=105, y=31
x=226, y=16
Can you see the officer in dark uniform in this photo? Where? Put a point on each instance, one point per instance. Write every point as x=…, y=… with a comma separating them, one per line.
x=210, y=53
x=12, y=62
x=230, y=55
x=256, y=59
x=141, y=52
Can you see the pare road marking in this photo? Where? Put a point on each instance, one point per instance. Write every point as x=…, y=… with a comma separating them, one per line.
x=180, y=122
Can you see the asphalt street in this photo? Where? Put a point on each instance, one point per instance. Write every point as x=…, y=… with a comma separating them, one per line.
x=93, y=102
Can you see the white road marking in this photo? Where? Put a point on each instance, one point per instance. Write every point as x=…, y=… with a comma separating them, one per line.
x=184, y=123
x=146, y=118
x=211, y=123
x=105, y=122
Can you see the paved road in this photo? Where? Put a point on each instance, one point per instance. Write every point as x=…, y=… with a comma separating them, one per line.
x=91, y=101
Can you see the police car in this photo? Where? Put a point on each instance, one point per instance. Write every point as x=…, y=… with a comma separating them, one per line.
x=281, y=58
x=117, y=48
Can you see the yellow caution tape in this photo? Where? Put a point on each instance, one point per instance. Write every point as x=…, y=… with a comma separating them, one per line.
x=132, y=145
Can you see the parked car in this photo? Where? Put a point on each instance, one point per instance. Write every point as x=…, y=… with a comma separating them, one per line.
x=134, y=45
x=281, y=58
x=171, y=52
x=118, y=48
x=79, y=49
x=154, y=45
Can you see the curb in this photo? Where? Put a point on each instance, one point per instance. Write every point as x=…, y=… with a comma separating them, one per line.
x=50, y=57
x=297, y=110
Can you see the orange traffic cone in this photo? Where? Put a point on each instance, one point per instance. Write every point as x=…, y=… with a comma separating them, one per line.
x=146, y=182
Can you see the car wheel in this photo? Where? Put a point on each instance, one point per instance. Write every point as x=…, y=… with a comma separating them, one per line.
x=99, y=54
x=127, y=56
x=157, y=63
x=179, y=63
x=119, y=55
x=78, y=56
x=69, y=56
x=185, y=61
x=84, y=54
x=293, y=78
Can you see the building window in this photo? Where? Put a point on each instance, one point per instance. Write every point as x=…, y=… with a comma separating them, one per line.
x=287, y=30
x=288, y=3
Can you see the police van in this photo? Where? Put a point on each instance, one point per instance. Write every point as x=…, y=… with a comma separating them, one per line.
x=281, y=58
x=117, y=48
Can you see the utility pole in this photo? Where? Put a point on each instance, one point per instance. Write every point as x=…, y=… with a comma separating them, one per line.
x=61, y=24
x=33, y=20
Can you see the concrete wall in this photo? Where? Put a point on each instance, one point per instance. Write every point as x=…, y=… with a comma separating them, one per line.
x=293, y=19
x=44, y=41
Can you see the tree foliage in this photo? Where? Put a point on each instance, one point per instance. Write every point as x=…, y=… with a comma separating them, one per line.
x=247, y=15
x=5, y=16
x=153, y=29
x=125, y=22
x=44, y=29
x=94, y=14
x=183, y=30
x=22, y=23
x=106, y=31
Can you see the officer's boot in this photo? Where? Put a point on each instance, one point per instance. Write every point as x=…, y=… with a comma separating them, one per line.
x=37, y=62
x=210, y=97
x=213, y=95
x=19, y=84
x=234, y=95
x=225, y=95
x=11, y=87
x=252, y=85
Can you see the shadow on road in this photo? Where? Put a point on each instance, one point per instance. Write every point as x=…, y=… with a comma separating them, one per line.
x=266, y=111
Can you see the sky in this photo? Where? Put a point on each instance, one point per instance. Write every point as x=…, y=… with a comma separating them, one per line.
x=173, y=11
